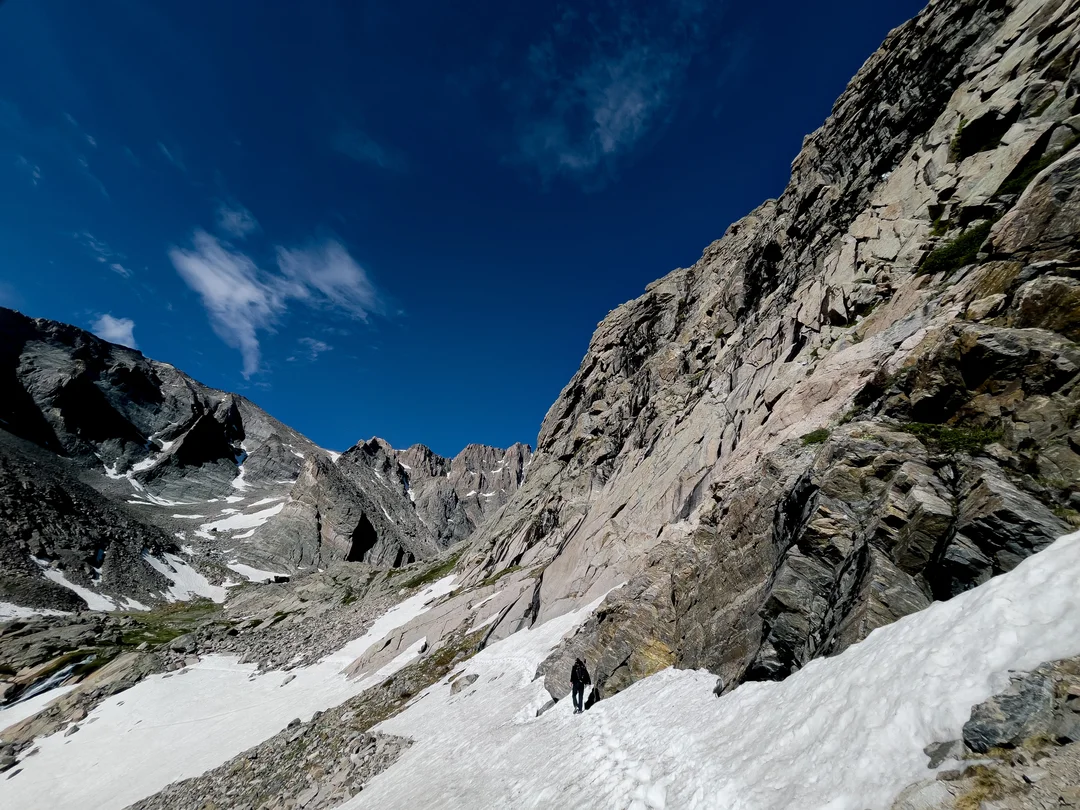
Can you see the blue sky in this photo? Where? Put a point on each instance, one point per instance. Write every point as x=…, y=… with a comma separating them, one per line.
x=397, y=219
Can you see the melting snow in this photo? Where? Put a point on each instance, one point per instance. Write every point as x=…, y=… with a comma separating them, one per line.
x=186, y=581
x=93, y=599
x=165, y=729
x=17, y=712
x=10, y=611
x=241, y=521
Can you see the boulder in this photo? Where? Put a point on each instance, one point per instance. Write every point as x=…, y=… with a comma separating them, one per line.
x=462, y=683
x=1024, y=710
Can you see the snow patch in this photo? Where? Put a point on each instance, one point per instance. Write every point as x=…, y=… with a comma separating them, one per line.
x=241, y=521
x=17, y=712
x=13, y=611
x=265, y=501
x=93, y=599
x=165, y=729
x=253, y=574
x=187, y=583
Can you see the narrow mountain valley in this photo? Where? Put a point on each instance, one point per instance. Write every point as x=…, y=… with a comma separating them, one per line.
x=809, y=510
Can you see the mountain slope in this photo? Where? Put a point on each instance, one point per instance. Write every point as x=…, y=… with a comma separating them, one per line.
x=190, y=470
x=861, y=399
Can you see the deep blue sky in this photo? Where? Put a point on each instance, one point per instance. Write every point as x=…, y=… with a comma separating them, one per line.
x=402, y=218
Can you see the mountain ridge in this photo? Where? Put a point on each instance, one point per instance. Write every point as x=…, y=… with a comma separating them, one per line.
x=145, y=435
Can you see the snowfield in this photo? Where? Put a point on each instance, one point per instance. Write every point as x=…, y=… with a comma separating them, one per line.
x=171, y=727
x=844, y=733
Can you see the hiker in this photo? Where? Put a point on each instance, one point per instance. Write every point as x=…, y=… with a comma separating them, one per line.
x=579, y=678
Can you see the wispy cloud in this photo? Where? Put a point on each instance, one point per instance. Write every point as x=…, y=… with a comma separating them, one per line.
x=313, y=348
x=326, y=273
x=582, y=107
x=103, y=253
x=115, y=330
x=86, y=136
x=235, y=220
x=363, y=149
x=31, y=169
x=172, y=155
x=242, y=299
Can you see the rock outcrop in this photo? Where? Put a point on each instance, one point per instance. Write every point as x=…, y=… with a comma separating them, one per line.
x=862, y=398
x=1021, y=749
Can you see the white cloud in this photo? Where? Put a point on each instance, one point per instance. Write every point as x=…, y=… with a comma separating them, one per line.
x=238, y=297
x=115, y=330
x=172, y=155
x=31, y=168
x=582, y=108
x=314, y=347
x=235, y=220
x=103, y=253
x=328, y=269
x=363, y=149
x=241, y=299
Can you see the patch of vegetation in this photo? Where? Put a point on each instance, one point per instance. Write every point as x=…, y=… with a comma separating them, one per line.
x=815, y=436
x=939, y=227
x=164, y=623
x=1070, y=516
x=436, y=573
x=952, y=440
x=499, y=575
x=956, y=253
x=987, y=786
x=1027, y=171
x=99, y=660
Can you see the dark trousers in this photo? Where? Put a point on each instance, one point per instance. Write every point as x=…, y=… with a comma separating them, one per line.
x=578, y=695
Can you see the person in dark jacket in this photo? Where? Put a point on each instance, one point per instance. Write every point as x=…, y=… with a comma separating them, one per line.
x=579, y=678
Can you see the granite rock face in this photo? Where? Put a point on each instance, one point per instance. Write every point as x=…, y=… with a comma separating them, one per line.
x=862, y=398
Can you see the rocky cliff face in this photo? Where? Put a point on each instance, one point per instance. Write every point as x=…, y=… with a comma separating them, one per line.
x=107, y=457
x=864, y=397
